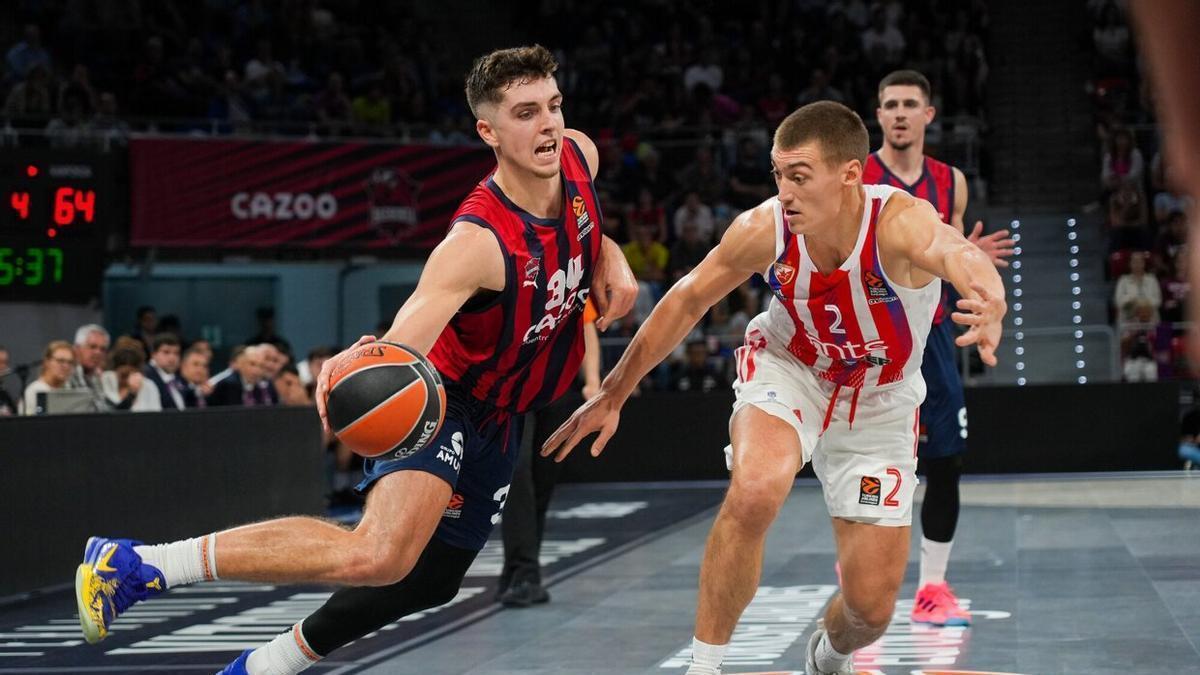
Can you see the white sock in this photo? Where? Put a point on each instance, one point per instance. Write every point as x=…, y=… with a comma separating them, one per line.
x=287, y=654
x=706, y=658
x=829, y=660
x=183, y=562
x=935, y=556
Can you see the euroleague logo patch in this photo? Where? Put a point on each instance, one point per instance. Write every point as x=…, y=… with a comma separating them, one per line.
x=868, y=491
x=582, y=220
x=454, y=508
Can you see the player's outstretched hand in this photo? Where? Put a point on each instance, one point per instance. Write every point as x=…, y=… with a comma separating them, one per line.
x=322, y=390
x=982, y=316
x=600, y=413
x=997, y=245
x=614, y=288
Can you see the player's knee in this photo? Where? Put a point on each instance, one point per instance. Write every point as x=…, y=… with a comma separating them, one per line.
x=870, y=613
x=380, y=563
x=755, y=496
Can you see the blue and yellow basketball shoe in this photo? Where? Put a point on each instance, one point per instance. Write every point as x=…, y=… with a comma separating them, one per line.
x=238, y=667
x=110, y=580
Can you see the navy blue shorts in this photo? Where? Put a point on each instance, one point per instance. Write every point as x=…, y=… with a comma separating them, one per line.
x=475, y=452
x=944, y=412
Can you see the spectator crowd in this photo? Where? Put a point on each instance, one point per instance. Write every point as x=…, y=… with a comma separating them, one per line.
x=1145, y=214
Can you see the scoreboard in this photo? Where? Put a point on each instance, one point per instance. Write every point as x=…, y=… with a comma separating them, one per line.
x=56, y=212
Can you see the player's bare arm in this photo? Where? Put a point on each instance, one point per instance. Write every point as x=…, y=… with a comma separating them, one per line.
x=918, y=247
x=614, y=288
x=997, y=245
x=468, y=261
x=748, y=247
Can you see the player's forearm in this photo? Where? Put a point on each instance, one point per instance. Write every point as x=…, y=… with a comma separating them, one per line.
x=591, y=355
x=670, y=321
x=968, y=264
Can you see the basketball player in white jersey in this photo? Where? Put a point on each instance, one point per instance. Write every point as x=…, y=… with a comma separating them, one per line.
x=830, y=373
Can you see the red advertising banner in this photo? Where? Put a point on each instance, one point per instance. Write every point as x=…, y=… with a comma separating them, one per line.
x=243, y=193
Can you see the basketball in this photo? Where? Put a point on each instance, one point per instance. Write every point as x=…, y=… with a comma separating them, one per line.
x=385, y=401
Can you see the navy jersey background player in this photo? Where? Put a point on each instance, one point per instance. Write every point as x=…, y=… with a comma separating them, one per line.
x=903, y=113
x=498, y=309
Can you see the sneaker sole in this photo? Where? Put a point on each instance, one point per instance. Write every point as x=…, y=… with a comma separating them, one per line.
x=91, y=632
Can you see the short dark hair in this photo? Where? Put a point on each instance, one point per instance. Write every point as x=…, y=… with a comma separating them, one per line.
x=322, y=352
x=164, y=340
x=144, y=310
x=193, y=350
x=838, y=129
x=909, y=78
x=492, y=73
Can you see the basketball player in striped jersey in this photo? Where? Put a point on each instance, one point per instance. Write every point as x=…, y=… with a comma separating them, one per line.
x=499, y=312
x=830, y=373
x=904, y=112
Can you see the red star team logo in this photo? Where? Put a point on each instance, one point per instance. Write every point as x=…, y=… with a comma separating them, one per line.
x=784, y=273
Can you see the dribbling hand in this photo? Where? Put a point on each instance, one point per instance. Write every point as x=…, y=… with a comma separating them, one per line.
x=600, y=413
x=322, y=391
x=982, y=316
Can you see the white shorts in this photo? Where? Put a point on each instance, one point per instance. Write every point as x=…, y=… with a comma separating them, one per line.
x=867, y=470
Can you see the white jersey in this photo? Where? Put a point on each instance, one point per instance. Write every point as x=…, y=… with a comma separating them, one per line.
x=853, y=327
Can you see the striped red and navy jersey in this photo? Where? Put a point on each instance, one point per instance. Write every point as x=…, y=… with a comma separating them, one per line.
x=936, y=186
x=521, y=348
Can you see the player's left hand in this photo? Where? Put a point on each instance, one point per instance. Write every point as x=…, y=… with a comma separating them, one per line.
x=614, y=288
x=997, y=245
x=982, y=316
x=599, y=414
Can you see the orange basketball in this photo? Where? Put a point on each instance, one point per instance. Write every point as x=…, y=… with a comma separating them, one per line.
x=385, y=400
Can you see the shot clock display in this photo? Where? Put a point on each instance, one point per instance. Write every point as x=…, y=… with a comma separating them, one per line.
x=54, y=216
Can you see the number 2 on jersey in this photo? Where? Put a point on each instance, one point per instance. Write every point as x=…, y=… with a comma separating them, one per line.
x=836, y=326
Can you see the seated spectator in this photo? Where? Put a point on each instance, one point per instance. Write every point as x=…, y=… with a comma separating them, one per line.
x=750, y=179
x=204, y=347
x=69, y=129
x=143, y=330
x=372, y=112
x=194, y=371
x=774, y=104
x=106, y=128
x=291, y=391
x=650, y=214
x=29, y=102
x=686, y=252
x=699, y=214
x=819, y=89
x=274, y=360
x=91, y=350
x=1139, y=365
x=124, y=385
x=8, y=407
x=263, y=73
x=28, y=54
x=266, y=330
x=1171, y=239
x=240, y=385
x=163, y=372
x=647, y=258
x=310, y=368
x=57, y=363
x=704, y=177
x=1175, y=289
x=1123, y=162
x=332, y=106
x=1138, y=295
x=696, y=373
x=1127, y=218
x=882, y=42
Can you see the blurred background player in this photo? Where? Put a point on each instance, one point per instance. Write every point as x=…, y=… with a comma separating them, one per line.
x=830, y=373
x=524, y=522
x=499, y=311
x=905, y=110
